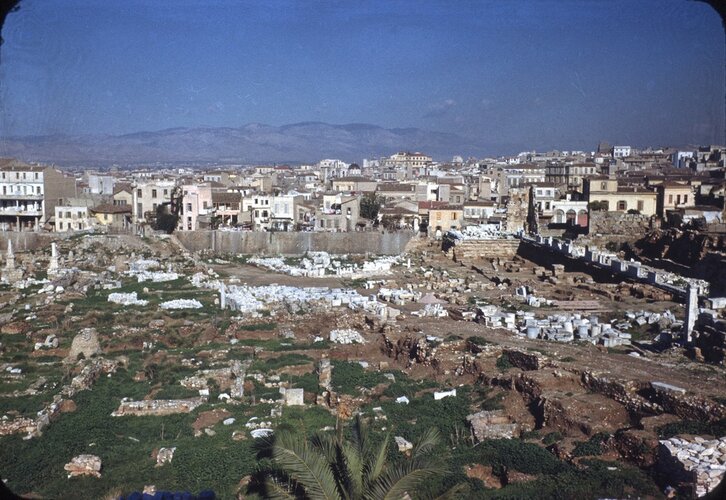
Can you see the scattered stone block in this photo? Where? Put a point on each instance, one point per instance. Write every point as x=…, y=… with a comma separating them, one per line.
x=84, y=465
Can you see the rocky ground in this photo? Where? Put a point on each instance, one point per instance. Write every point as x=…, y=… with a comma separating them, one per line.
x=116, y=383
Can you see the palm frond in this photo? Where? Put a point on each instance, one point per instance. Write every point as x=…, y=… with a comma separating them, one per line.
x=396, y=482
x=457, y=491
x=377, y=461
x=278, y=491
x=354, y=465
x=427, y=442
x=307, y=467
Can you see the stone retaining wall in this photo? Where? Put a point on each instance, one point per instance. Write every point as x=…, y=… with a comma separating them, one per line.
x=294, y=243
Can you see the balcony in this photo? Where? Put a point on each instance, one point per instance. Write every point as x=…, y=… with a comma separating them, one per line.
x=19, y=211
x=13, y=196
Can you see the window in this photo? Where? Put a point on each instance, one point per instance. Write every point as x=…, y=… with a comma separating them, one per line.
x=68, y=215
x=60, y=225
x=36, y=175
x=685, y=198
x=670, y=199
x=153, y=193
x=138, y=193
x=166, y=192
x=189, y=207
x=641, y=205
x=454, y=215
x=622, y=205
x=603, y=185
x=204, y=205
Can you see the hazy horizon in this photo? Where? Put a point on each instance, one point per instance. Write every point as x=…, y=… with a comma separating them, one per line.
x=534, y=75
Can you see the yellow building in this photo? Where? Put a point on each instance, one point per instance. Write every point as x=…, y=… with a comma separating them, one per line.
x=619, y=198
x=673, y=195
x=445, y=218
x=118, y=216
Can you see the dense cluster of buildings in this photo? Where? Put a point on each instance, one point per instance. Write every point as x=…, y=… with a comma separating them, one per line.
x=403, y=191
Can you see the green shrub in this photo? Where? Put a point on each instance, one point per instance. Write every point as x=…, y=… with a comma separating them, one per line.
x=717, y=428
x=551, y=438
x=347, y=377
x=503, y=363
x=592, y=446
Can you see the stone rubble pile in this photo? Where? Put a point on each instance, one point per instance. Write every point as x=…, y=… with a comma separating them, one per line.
x=126, y=299
x=321, y=264
x=145, y=270
x=250, y=299
x=51, y=342
x=558, y=327
x=346, y=336
x=398, y=296
x=432, y=311
x=156, y=407
x=181, y=304
x=480, y=232
x=701, y=460
x=84, y=465
x=164, y=456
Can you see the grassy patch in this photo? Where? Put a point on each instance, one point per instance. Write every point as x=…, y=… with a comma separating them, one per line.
x=347, y=377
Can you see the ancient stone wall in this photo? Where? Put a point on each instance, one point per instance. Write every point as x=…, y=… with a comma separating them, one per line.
x=468, y=250
x=294, y=243
x=618, y=223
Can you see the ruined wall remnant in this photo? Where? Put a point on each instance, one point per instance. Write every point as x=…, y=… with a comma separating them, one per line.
x=294, y=243
x=86, y=343
x=157, y=407
x=619, y=223
x=468, y=250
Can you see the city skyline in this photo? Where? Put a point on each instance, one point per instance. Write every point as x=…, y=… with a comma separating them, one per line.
x=501, y=75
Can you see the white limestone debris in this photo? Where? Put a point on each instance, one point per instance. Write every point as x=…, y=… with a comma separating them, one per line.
x=126, y=299
x=321, y=264
x=346, y=336
x=402, y=444
x=181, y=304
x=699, y=461
x=164, y=456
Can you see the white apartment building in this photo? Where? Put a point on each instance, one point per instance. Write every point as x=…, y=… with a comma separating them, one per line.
x=72, y=218
x=271, y=212
x=332, y=169
x=148, y=195
x=196, y=201
x=101, y=184
x=622, y=151
x=28, y=194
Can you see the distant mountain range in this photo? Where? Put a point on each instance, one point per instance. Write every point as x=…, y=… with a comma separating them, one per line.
x=252, y=143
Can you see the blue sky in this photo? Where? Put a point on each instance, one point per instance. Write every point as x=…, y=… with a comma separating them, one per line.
x=547, y=74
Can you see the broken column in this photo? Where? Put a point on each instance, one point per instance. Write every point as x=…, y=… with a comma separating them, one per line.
x=691, y=312
x=10, y=274
x=237, y=387
x=53, y=265
x=325, y=375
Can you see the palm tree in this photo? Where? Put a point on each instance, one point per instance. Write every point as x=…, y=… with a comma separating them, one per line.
x=333, y=468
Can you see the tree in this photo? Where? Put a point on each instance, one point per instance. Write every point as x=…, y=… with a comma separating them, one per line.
x=370, y=204
x=598, y=206
x=166, y=216
x=331, y=467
